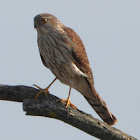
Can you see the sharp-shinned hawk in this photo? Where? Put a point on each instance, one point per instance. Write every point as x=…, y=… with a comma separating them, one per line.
x=63, y=52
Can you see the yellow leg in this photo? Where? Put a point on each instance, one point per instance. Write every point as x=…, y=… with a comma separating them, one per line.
x=46, y=90
x=68, y=100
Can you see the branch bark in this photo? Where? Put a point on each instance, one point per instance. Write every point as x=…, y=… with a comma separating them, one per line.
x=51, y=106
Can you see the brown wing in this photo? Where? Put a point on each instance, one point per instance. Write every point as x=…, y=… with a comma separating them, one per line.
x=81, y=61
x=79, y=54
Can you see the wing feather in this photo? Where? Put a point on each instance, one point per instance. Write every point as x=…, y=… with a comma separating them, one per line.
x=81, y=61
x=80, y=56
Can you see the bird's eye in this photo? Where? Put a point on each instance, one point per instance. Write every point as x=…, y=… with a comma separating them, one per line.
x=44, y=20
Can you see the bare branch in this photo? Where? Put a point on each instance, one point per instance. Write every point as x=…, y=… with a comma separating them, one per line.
x=51, y=106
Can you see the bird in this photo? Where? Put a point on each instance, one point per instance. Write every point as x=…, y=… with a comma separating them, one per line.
x=63, y=52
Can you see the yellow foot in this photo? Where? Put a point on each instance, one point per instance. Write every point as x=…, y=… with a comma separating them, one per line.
x=68, y=103
x=41, y=91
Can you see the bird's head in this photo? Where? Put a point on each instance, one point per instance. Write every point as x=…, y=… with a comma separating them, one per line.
x=46, y=22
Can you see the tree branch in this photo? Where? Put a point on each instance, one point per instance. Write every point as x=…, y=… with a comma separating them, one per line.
x=51, y=106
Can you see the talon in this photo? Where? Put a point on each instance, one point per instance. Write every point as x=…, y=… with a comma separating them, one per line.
x=41, y=91
x=68, y=103
x=46, y=90
x=37, y=87
x=37, y=95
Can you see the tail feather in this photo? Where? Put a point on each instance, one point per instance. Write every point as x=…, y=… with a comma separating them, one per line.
x=101, y=109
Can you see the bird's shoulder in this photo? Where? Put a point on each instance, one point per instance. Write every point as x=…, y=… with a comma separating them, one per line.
x=79, y=54
x=78, y=49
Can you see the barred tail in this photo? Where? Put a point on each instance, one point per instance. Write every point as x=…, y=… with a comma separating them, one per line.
x=101, y=109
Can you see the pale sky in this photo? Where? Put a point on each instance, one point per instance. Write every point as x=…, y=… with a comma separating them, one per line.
x=110, y=31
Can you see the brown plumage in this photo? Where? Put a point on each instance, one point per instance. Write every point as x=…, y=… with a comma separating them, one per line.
x=63, y=52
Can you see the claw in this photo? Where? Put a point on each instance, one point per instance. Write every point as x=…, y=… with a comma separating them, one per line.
x=46, y=90
x=41, y=91
x=37, y=87
x=68, y=103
